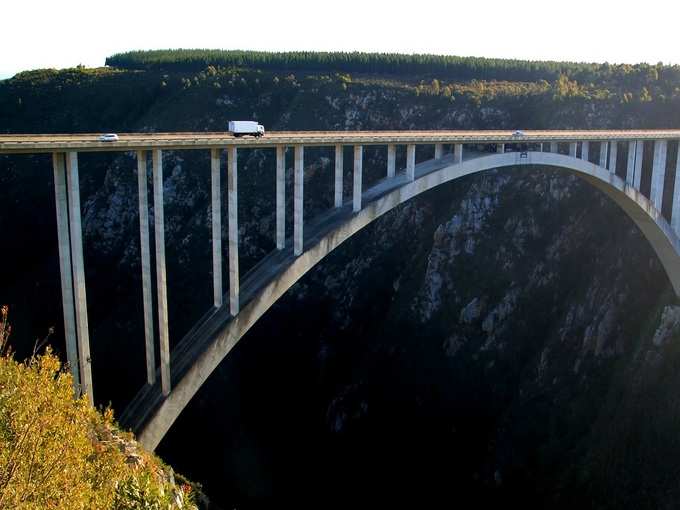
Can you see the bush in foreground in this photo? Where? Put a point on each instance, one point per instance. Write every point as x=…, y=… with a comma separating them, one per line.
x=58, y=452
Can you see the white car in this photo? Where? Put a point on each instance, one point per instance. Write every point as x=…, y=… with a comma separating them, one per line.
x=519, y=133
x=108, y=137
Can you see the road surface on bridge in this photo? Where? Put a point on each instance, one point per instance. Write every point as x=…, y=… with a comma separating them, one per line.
x=36, y=143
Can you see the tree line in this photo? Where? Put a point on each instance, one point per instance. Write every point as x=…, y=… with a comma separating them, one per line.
x=443, y=66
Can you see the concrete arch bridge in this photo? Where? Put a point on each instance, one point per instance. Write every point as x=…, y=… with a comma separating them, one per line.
x=615, y=162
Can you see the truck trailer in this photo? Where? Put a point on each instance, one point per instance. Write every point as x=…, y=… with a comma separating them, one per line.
x=240, y=128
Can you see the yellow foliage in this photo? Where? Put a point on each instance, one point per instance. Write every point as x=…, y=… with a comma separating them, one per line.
x=58, y=452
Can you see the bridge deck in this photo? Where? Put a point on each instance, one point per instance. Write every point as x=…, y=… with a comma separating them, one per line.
x=87, y=142
x=199, y=337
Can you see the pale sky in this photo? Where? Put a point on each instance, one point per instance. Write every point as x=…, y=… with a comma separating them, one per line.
x=64, y=33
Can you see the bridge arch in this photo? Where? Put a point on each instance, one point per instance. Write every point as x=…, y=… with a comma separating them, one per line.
x=640, y=209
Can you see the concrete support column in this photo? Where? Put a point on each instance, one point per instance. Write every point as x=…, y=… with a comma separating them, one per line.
x=438, y=151
x=411, y=162
x=339, y=166
x=639, y=154
x=675, y=213
x=658, y=173
x=145, y=253
x=604, y=146
x=79, y=293
x=298, y=211
x=585, y=151
x=358, y=170
x=161, y=284
x=280, y=197
x=553, y=147
x=391, y=160
x=458, y=153
x=64, y=241
x=613, y=154
x=216, y=220
x=630, y=165
x=500, y=148
x=572, y=149
x=232, y=211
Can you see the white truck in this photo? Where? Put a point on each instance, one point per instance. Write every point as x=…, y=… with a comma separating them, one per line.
x=245, y=127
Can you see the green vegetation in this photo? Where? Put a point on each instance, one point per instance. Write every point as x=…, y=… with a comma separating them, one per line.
x=461, y=68
x=440, y=66
x=57, y=451
x=154, y=89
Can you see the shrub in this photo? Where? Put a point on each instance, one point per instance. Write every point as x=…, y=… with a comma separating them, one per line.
x=57, y=451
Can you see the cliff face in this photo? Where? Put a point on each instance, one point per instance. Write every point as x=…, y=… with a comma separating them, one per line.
x=507, y=337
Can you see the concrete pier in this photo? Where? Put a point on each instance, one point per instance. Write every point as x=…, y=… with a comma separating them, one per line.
x=281, y=197
x=554, y=147
x=675, y=213
x=604, y=152
x=438, y=151
x=630, y=164
x=216, y=221
x=161, y=283
x=585, y=151
x=298, y=210
x=64, y=241
x=458, y=153
x=639, y=156
x=358, y=171
x=391, y=160
x=232, y=211
x=613, y=155
x=411, y=161
x=500, y=148
x=572, y=149
x=658, y=173
x=604, y=149
x=79, y=293
x=145, y=255
x=339, y=167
